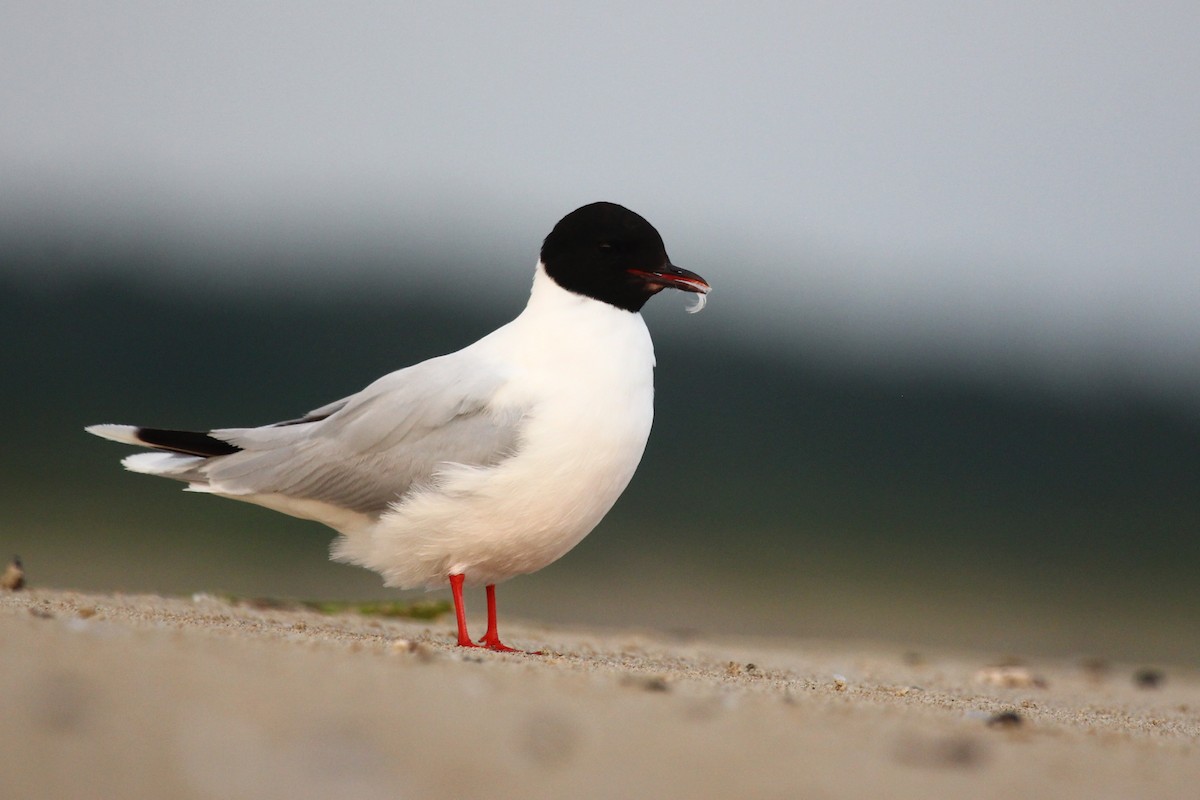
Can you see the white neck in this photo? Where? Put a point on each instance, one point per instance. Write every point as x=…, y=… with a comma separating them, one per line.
x=546, y=294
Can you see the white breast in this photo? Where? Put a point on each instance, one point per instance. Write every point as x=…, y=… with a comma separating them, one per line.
x=584, y=371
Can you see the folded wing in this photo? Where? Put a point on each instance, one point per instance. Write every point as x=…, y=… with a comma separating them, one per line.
x=361, y=453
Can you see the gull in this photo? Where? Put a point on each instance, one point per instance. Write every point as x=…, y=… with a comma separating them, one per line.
x=477, y=466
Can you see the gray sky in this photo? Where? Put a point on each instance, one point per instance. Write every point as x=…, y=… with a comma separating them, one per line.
x=972, y=176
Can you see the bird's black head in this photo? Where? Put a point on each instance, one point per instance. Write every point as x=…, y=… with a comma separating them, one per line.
x=607, y=252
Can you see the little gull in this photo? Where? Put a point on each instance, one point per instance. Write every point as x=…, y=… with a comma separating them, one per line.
x=476, y=466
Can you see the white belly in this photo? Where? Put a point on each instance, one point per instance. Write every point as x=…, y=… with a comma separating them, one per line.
x=589, y=411
x=493, y=524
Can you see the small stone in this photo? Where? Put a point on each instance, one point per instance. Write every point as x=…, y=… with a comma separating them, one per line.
x=656, y=683
x=650, y=683
x=1005, y=719
x=1009, y=677
x=411, y=647
x=1149, y=678
x=13, y=579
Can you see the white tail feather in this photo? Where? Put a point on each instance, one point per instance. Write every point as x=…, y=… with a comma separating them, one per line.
x=167, y=464
x=126, y=434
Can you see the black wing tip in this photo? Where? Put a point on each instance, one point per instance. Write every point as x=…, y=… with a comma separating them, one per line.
x=192, y=443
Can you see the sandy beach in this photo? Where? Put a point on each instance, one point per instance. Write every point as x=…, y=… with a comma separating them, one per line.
x=205, y=697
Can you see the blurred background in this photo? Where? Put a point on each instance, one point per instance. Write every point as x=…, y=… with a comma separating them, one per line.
x=946, y=390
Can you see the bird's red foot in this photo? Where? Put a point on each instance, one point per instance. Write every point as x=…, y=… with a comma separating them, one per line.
x=497, y=645
x=492, y=642
x=491, y=639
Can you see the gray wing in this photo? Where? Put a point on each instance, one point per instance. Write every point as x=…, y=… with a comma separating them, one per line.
x=366, y=451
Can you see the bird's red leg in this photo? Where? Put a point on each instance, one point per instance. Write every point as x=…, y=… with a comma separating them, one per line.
x=460, y=611
x=491, y=639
